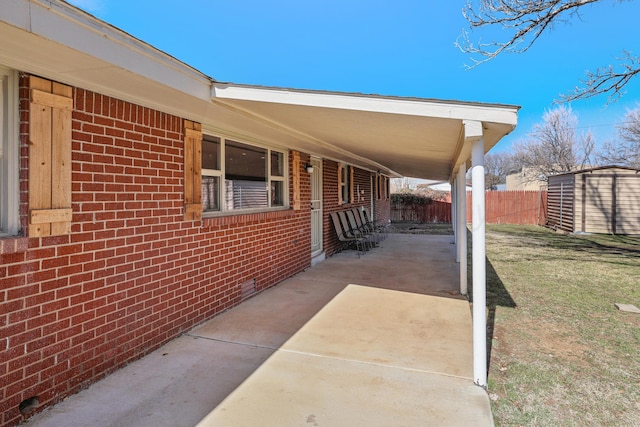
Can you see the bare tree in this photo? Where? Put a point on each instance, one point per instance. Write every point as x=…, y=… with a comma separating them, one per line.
x=524, y=22
x=554, y=146
x=497, y=166
x=626, y=150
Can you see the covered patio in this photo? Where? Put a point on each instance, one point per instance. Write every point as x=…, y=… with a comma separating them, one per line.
x=384, y=339
x=374, y=136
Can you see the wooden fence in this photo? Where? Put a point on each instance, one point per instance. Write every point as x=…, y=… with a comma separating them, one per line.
x=436, y=212
x=501, y=207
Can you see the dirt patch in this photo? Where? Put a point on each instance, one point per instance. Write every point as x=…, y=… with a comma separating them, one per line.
x=549, y=340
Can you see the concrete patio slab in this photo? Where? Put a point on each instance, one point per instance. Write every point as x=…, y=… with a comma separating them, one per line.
x=294, y=389
x=371, y=357
x=272, y=317
x=406, y=361
x=176, y=385
x=381, y=326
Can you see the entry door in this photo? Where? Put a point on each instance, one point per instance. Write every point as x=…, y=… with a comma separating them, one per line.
x=316, y=207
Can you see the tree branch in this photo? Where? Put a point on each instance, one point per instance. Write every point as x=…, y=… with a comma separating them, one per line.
x=607, y=80
x=525, y=19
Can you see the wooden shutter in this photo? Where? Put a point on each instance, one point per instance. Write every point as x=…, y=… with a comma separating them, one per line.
x=351, y=185
x=192, y=171
x=340, y=201
x=386, y=188
x=50, y=108
x=296, y=181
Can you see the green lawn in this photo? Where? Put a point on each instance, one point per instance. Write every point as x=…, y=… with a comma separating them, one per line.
x=561, y=353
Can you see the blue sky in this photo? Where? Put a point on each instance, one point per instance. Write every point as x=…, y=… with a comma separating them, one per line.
x=401, y=47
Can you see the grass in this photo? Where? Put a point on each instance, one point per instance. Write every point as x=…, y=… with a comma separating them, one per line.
x=561, y=353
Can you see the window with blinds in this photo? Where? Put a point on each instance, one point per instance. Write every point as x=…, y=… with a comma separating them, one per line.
x=241, y=176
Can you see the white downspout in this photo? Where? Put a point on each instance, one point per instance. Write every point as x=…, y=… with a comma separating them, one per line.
x=461, y=226
x=479, y=265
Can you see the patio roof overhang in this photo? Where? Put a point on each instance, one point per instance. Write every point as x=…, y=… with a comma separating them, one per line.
x=415, y=137
x=422, y=138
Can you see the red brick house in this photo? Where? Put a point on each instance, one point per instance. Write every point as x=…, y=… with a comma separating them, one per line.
x=140, y=197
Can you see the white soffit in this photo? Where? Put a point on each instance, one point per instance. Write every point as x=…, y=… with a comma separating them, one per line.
x=416, y=137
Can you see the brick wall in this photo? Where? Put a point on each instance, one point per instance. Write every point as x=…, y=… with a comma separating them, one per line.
x=383, y=206
x=133, y=274
x=383, y=211
x=362, y=182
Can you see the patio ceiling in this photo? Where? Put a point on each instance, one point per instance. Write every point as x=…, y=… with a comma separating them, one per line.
x=421, y=138
x=398, y=136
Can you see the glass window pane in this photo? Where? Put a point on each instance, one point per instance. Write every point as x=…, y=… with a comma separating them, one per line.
x=245, y=162
x=277, y=164
x=277, y=193
x=243, y=194
x=211, y=193
x=210, y=152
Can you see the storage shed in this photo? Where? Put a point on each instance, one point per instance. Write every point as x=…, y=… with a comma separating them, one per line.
x=598, y=200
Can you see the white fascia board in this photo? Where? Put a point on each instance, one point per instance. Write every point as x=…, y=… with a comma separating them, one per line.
x=72, y=28
x=376, y=104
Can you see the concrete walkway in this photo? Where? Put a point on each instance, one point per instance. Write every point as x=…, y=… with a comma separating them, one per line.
x=384, y=340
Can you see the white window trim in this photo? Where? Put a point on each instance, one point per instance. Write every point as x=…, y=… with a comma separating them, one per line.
x=221, y=173
x=9, y=153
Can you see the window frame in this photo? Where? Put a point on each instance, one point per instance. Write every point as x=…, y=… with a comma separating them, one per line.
x=9, y=153
x=345, y=183
x=214, y=173
x=269, y=178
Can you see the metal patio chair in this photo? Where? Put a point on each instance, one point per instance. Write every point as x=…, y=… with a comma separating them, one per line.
x=366, y=225
x=344, y=237
x=379, y=226
x=351, y=228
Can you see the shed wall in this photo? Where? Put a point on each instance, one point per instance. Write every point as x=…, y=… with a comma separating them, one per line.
x=608, y=201
x=560, y=202
x=628, y=211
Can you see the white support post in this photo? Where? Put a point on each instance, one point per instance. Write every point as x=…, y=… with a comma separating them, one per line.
x=479, y=265
x=461, y=226
x=454, y=184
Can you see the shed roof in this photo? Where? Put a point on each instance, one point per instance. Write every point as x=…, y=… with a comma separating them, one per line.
x=598, y=168
x=398, y=136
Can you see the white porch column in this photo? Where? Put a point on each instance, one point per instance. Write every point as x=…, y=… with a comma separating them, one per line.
x=473, y=133
x=461, y=226
x=453, y=185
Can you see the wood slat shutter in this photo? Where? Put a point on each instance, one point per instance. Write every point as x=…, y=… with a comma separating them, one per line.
x=50, y=108
x=340, y=201
x=192, y=171
x=296, y=181
x=351, y=185
x=386, y=188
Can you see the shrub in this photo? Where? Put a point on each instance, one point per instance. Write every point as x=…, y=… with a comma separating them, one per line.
x=409, y=199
